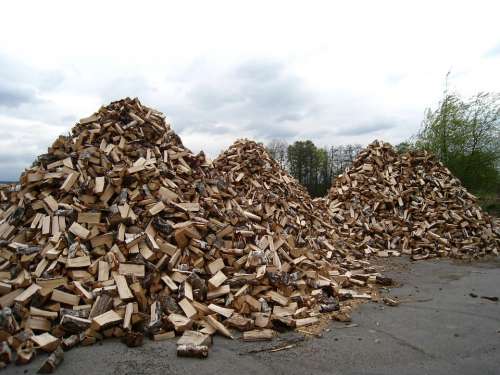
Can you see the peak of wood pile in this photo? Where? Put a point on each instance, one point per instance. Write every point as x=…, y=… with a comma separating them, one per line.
x=275, y=202
x=120, y=231
x=388, y=204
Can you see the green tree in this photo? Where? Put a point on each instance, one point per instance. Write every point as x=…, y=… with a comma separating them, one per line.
x=465, y=136
x=403, y=147
x=310, y=166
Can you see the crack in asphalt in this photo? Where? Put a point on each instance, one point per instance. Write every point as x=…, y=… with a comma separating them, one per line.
x=406, y=343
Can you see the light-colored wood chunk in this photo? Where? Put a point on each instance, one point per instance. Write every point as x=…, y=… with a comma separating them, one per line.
x=45, y=341
x=262, y=320
x=41, y=266
x=219, y=292
x=52, y=283
x=26, y=295
x=135, y=169
x=217, y=280
x=51, y=202
x=103, y=271
x=37, y=323
x=137, y=270
x=188, y=309
x=170, y=283
x=202, y=308
x=221, y=310
x=188, y=290
x=191, y=207
x=8, y=299
x=46, y=225
x=128, y=315
x=164, y=336
x=180, y=322
x=283, y=311
x=123, y=289
x=254, y=304
x=259, y=335
x=168, y=248
x=210, y=319
x=157, y=208
x=216, y=266
x=70, y=181
x=34, y=311
x=167, y=194
x=82, y=291
x=194, y=338
x=306, y=321
x=107, y=319
x=89, y=217
x=79, y=230
x=66, y=298
x=277, y=297
x=99, y=184
x=108, y=193
x=78, y=262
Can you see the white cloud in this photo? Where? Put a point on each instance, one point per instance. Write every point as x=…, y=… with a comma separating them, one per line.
x=21, y=142
x=331, y=71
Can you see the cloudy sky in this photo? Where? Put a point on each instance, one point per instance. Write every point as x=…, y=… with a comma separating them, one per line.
x=333, y=72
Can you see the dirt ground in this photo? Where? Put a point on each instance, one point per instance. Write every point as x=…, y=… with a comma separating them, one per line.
x=439, y=328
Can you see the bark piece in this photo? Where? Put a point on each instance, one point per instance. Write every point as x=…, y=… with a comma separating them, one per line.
x=194, y=351
x=51, y=363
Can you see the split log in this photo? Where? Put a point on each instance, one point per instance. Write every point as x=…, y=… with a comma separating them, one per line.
x=194, y=351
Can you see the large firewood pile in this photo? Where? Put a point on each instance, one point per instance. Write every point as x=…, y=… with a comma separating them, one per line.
x=389, y=204
x=120, y=231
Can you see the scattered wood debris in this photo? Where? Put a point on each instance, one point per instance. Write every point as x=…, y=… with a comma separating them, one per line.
x=391, y=301
x=287, y=344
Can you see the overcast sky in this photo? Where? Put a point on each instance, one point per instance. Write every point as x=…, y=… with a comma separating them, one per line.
x=333, y=72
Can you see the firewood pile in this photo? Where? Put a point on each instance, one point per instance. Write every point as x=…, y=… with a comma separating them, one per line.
x=120, y=231
x=267, y=195
x=388, y=204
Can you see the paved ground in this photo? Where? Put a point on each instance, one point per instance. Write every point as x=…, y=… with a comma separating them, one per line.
x=440, y=329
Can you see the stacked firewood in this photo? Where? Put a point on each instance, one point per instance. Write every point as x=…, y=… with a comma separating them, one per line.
x=120, y=231
x=388, y=204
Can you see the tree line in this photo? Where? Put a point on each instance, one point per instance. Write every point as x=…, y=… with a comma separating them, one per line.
x=314, y=167
x=464, y=133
